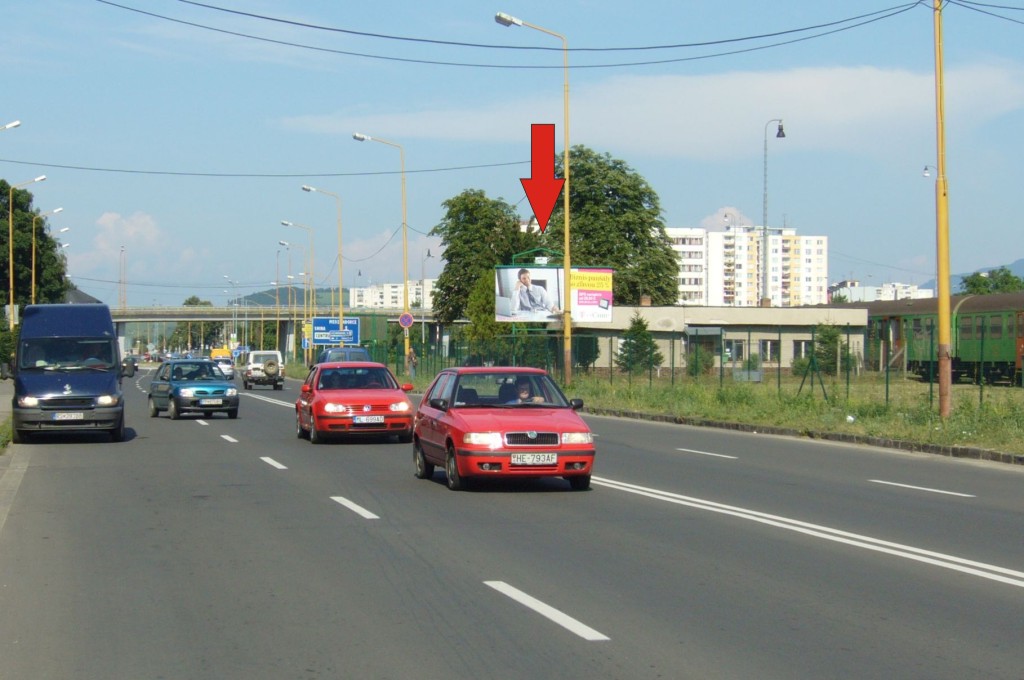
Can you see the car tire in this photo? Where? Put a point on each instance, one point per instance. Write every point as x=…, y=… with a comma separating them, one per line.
x=19, y=436
x=579, y=482
x=207, y=414
x=278, y=386
x=233, y=413
x=314, y=435
x=117, y=433
x=172, y=409
x=299, y=432
x=451, y=471
x=423, y=468
x=153, y=410
x=270, y=368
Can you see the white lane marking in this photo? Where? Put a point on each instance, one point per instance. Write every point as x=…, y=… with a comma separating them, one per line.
x=273, y=463
x=269, y=400
x=708, y=453
x=564, y=620
x=359, y=510
x=201, y=421
x=923, y=488
x=987, y=571
x=229, y=438
x=10, y=480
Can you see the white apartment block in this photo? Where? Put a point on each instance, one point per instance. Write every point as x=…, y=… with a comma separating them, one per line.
x=392, y=295
x=724, y=268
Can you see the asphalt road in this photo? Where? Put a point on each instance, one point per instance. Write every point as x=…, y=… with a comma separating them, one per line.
x=221, y=548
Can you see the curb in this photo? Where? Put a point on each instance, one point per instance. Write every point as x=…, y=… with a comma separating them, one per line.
x=967, y=452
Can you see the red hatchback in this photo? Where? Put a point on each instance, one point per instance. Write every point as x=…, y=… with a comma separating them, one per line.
x=480, y=422
x=349, y=398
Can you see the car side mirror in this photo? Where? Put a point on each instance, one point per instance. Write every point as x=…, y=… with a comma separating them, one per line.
x=576, y=404
x=306, y=388
x=407, y=387
x=439, y=404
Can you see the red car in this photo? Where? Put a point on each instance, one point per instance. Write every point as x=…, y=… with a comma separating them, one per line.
x=352, y=397
x=481, y=422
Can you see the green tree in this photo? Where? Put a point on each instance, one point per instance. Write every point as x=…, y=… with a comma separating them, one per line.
x=830, y=352
x=1000, y=280
x=615, y=222
x=638, y=351
x=195, y=334
x=477, y=233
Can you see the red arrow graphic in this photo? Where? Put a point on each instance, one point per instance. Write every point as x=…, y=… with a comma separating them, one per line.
x=542, y=187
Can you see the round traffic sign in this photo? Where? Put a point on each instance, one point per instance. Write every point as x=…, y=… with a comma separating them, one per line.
x=406, y=320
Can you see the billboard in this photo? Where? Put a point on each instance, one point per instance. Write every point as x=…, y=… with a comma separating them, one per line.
x=535, y=293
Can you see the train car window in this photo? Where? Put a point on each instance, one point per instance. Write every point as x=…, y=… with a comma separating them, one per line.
x=918, y=333
x=966, y=327
x=980, y=327
x=995, y=328
x=1020, y=325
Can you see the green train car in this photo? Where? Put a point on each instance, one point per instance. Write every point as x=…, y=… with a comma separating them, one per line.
x=986, y=335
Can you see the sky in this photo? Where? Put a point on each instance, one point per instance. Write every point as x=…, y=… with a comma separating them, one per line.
x=181, y=133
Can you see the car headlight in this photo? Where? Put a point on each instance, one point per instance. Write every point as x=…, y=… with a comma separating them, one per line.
x=232, y=391
x=400, y=406
x=186, y=392
x=577, y=438
x=331, y=407
x=491, y=440
x=30, y=402
x=106, y=400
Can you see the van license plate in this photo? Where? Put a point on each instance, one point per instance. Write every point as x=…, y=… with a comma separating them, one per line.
x=534, y=458
x=69, y=416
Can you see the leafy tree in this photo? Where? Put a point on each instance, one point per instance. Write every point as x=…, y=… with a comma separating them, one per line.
x=839, y=299
x=477, y=233
x=195, y=334
x=830, y=353
x=616, y=222
x=638, y=351
x=1000, y=280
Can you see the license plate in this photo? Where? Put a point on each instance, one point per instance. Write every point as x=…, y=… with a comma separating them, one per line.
x=209, y=402
x=368, y=419
x=534, y=458
x=69, y=416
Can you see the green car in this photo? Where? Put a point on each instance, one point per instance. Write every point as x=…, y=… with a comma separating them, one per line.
x=192, y=386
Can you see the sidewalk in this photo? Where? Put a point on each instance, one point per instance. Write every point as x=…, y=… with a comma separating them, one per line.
x=6, y=394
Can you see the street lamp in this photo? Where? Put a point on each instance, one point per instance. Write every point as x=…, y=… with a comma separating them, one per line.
x=423, y=298
x=341, y=289
x=10, y=125
x=359, y=137
x=944, y=320
x=10, y=242
x=508, y=20
x=311, y=269
x=766, y=298
x=35, y=218
x=234, y=307
x=927, y=172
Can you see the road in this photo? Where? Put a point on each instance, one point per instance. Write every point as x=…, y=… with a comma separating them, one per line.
x=221, y=548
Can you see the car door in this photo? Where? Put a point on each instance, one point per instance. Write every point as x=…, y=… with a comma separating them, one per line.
x=428, y=418
x=307, y=392
x=160, y=387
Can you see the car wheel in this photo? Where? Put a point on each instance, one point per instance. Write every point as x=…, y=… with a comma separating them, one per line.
x=207, y=414
x=153, y=410
x=19, y=436
x=579, y=482
x=233, y=413
x=299, y=431
x=117, y=434
x=451, y=470
x=405, y=437
x=314, y=436
x=278, y=386
x=424, y=470
x=172, y=410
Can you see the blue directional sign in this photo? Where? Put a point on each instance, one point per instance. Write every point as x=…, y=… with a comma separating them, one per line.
x=326, y=331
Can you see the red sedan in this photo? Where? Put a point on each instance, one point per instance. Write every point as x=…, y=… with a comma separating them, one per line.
x=350, y=398
x=480, y=422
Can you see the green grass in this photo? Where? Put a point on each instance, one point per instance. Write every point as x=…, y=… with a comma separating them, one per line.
x=995, y=422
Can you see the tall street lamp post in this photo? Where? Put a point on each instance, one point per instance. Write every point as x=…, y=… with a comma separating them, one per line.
x=35, y=218
x=766, y=298
x=423, y=298
x=12, y=124
x=942, y=227
x=10, y=243
x=405, y=227
x=508, y=20
x=341, y=288
x=234, y=307
x=309, y=272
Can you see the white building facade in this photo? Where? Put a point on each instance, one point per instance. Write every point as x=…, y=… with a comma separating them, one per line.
x=392, y=295
x=723, y=268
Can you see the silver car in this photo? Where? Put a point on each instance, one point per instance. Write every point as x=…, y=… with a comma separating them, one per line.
x=227, y=367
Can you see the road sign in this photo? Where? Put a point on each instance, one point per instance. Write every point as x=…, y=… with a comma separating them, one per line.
x=406, y=320
x=326, y=331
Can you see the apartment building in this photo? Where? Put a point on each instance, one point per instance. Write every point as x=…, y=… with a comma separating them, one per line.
x=392, y=295
x=723, y=268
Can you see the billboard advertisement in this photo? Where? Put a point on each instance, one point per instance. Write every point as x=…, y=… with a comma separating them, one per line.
x=535, y=293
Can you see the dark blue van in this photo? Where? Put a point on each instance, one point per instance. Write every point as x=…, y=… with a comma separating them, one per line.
x=67, y=372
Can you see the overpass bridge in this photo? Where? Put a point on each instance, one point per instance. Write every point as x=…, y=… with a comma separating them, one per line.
x=161, y=321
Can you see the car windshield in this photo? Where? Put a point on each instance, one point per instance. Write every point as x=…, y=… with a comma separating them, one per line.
x=202, y=370
x=66, y=354
x=370, y=378
x=507, y=390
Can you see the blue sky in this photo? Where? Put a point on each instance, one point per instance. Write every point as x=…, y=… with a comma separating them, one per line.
x=188, y=146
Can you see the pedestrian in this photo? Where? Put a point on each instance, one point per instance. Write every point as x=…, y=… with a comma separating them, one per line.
x=411, y=362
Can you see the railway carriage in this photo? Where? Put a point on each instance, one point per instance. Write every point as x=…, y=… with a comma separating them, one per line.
x=986, y=335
